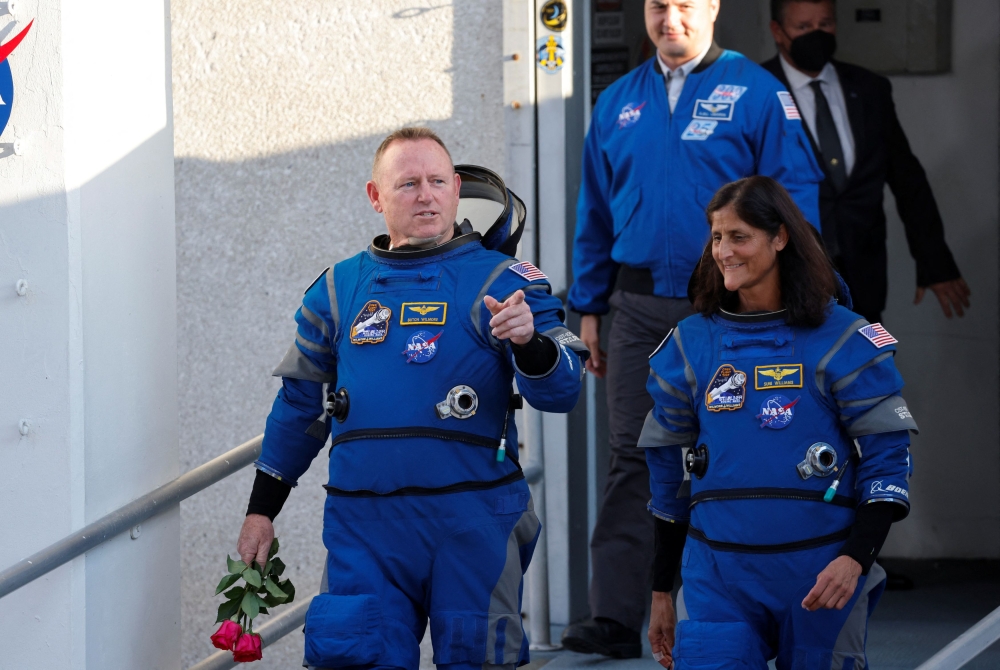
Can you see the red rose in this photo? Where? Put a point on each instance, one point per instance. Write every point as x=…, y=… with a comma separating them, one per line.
x=227, y=635
x=247, y=649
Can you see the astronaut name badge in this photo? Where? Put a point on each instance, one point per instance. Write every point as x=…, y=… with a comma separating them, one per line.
x=719, y=111
x=699, y=130
x=422, y=346
x=777, y=412
x=371, y=325
x=777, y=376
x=423, y=314
x=728, y=389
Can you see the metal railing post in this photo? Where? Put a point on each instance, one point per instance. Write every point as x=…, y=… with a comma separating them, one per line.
x=966, y=646
x=537, y=577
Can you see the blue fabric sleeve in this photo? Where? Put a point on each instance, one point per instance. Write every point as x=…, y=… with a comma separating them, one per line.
x=594, y=271
x=671, y=424
x=784, y=154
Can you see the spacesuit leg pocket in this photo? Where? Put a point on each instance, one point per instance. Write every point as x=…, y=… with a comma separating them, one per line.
x=717, y=645
x=343, y=630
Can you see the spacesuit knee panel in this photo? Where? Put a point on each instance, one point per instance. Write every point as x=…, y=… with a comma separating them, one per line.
x=717, y=645
x=344, y=630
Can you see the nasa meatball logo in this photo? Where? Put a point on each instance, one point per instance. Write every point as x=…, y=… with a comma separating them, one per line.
x=371, y=325
x=421, y=347
x=777, y=412
x=6, y=78
x=630, y=114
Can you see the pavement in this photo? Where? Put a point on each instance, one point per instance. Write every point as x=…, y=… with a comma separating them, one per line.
x=908, y=627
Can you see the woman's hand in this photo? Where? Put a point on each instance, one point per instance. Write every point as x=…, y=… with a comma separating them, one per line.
x=662, y=621
x=834, y=586
x=590, y=333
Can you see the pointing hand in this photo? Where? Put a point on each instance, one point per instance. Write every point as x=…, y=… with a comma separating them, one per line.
x=512, y=319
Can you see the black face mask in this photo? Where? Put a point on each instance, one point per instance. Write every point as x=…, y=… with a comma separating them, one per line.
x=813, y=50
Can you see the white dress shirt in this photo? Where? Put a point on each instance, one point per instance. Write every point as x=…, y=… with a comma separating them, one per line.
x=677, y=77
x=805, y=99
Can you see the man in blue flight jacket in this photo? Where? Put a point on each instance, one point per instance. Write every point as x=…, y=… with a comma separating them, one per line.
x=405, y=355
x=662, y=140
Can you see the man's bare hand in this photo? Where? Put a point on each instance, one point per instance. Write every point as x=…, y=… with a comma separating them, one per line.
x=952, y=294
x=512, y=319
x=590, y=333
x=835, y=585
x=662, y=622
x=255, y=539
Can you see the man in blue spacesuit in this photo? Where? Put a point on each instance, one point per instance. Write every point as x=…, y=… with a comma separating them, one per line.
x=662, y=140
x=405, y=356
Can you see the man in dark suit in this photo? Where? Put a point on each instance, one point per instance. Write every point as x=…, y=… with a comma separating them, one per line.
x=852, y=125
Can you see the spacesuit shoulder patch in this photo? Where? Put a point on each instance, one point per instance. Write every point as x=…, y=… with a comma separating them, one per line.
x=877, y=335
x=527, y=271
x=728, y=389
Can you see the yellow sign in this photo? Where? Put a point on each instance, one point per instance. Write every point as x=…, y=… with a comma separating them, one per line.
x=777, y=376
x=423, y=314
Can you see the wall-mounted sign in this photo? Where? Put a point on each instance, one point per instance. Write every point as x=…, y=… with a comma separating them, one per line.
x=554, y=15
x=6, y=78
x=550, y=53
x=609, y=29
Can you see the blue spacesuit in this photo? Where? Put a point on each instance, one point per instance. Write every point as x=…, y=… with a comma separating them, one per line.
x=788, y=431
x=649, y=174
x=428, y=513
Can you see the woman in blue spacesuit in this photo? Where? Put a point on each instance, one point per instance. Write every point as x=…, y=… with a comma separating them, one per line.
x=777, y=448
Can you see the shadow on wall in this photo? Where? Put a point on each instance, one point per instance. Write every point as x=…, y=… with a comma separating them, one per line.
x=251, y=236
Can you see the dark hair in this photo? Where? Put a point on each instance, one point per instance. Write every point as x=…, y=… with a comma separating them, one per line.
x=778, y=7
x=807, y=277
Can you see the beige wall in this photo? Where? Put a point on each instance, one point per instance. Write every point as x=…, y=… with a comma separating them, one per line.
x=278, y=108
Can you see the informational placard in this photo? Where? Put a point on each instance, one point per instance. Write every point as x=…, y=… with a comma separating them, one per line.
x=609, y=29
x=606, y=66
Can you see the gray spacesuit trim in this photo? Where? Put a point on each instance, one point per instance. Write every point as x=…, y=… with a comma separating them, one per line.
x=846, y=381
x=677, y=412
x=828, y=356
x=851, y=640
x=477, y=306
x=311, y=346
x=295, y=365
x=688, y=370
x=888, y=416
x=654, y=435
x=315, y=320
x=669, y=388
x=334, y=308
x=843, y=404
x=503, y=599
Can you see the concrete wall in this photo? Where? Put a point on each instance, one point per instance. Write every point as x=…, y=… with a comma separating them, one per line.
x=87, y=219
x=278, y=109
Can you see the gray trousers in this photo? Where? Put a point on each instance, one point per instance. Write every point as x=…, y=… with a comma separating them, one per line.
x=621, y=549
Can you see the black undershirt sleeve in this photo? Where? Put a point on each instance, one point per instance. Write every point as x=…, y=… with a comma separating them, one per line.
x=871, y=527
x=668, y=545
x=268, y=495
x=537, y=356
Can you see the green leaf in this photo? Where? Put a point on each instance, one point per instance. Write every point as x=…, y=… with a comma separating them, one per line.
x=260, y=601
x=226, y=582
x=267, y=569
x=277, y=567
x=271, y=601
x=235, y=567
x=288, y=588
x=235, y=593
x=252, y=577
x=274, y=548
x=274, y=589
x=227, y=610
x=250, y=605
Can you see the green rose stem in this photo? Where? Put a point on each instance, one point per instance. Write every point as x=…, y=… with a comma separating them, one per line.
x=244, y=603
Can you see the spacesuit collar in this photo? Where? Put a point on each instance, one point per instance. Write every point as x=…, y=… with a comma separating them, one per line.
x=710, y=57
x=380, y=247
x=752, y=317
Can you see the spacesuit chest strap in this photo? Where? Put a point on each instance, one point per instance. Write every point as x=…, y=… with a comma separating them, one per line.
x=773, y=493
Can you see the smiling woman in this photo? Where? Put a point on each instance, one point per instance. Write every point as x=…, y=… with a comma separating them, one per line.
x=763, y=256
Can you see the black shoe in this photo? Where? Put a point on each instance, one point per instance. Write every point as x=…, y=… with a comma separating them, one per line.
x=602, y=636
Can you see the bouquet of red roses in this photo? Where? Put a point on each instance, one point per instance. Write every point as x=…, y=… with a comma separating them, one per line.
x=261, y=589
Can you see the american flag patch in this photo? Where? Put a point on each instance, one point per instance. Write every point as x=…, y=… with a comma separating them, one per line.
x=527, y=270
x=788, y=104
x=877, y=335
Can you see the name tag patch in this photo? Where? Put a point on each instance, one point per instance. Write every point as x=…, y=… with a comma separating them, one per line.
x=699, y=130
x=371, y=325
x=727, y=93
x=720, y=111
x=777, y=376
x=727, y=391
x=423, y=314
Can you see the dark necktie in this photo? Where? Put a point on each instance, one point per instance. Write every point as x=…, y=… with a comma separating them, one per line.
x=829, y=140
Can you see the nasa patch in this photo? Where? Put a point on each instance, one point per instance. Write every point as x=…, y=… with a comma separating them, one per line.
x=777, y=412
x=699, y=130
x=6, y=78
x=423, y=313
x=727, y=93
x=630, y=114
x=720, y=111
x=421, y=347
x=728, y=389
x=371, y=325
